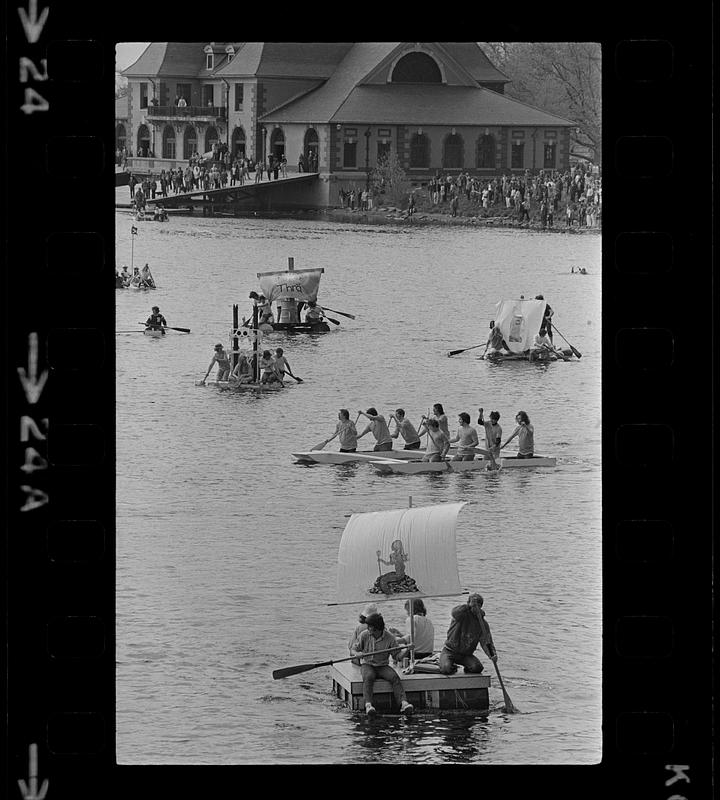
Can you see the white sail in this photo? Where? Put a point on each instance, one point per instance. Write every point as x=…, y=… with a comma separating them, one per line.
x=519, y=321
x=418, y=556
x=298, y=284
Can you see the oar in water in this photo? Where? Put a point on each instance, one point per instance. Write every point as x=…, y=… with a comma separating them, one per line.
x=168, y=327
x=286, y=671
x=320, y=445
x=299, y=380
x=330, y=319
x=509, y=707
x=576, y=353
x=455, y=352
x=342, y=313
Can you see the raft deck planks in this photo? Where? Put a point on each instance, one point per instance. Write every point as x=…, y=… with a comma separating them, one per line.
x=459, y=691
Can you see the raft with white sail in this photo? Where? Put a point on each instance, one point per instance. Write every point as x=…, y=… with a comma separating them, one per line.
x=419, y=543
x=290, y=289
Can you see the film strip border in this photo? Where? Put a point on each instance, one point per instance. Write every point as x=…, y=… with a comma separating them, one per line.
x=59, y=329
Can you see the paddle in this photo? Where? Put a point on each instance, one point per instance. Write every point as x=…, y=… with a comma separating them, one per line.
x=455, y=352
x=334, y=321
x=286, y=671
x=342, y=313
x=576, y=353
x=168, y=327
x=509, y=707
x=299, y=380
x=320, y=445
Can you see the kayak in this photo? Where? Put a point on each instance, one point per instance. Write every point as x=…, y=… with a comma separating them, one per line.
x=331, y=457
x=154, y=333
x=389, y=466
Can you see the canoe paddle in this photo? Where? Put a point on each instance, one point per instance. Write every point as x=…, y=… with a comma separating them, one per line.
x=286, y=671
x=342, y=313
x=455, y=352
x=299, y=380
x=320, y=445
x=509, y=707
x=168, y=327
x=576, y=353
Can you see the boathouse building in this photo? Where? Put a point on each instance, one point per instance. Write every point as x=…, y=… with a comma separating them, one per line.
x=439, y=106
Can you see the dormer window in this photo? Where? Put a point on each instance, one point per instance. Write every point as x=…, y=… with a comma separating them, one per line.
x=229, y=52
x=209, y=60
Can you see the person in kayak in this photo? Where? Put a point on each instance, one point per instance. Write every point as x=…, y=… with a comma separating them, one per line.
x=156, y=321
x=379, y=429
x=438, y=443
x=526, y=436
x=405, y=428
x=467, y=439
x=372, y=666
x=346, y=432
x=467, y=630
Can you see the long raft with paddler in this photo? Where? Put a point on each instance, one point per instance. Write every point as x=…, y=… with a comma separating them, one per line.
x=523, y=330
x=386, y=671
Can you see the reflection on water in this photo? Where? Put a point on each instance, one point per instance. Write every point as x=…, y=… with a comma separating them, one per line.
x=227, y=549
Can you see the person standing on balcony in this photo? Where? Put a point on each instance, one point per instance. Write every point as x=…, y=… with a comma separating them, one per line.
x=182, y=103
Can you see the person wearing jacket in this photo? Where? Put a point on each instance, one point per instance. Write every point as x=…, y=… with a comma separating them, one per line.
x=467, y=629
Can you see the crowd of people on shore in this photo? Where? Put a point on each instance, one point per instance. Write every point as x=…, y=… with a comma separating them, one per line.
x=550, y=197
x=373, y=644
x=437, y=429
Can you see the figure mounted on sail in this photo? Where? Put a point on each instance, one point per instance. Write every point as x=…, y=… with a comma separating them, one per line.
x=398, y=580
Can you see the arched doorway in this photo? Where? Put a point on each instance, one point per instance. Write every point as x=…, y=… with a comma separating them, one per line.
x=211, y=138
x=311, y=149
x=120, y=136
x=277, y=143
x=189, y=141
x=238, y=143
x=486, y=152
x=453, y=152
x=143, y=141
x=168, y=142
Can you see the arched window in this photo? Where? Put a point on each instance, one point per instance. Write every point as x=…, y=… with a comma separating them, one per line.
x=143, y=141
x=277, y=143
x=238, y=143
x=453, y=152
x=416, y=68
x=189, y=141
x=168, y=142
x=211, y=138
x=120, y=135
x=486, y=152
x=419, y=150
x=311, y=146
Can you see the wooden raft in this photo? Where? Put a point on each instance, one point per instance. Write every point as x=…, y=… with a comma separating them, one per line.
x=460, y=691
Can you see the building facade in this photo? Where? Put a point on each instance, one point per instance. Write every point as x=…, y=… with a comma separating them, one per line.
x=438, y=106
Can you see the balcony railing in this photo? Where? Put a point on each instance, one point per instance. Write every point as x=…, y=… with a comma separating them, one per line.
x=187, y=111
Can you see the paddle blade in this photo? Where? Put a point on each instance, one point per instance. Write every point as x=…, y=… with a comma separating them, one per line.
x=577, y=353
x=319, y=446
x=287, y=671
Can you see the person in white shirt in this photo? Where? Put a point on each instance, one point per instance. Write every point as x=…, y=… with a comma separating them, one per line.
x=424, y=639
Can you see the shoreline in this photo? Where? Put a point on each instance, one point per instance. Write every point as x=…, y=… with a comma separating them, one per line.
x=390, y=216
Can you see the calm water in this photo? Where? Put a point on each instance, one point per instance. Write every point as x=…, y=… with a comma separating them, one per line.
x=226, y=549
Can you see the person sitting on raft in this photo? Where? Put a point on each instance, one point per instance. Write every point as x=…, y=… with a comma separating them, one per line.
x=220, y=357
x=346, y=431
x=267, y=365
x=424, y=640
x=405, y=428
x=313, y=313
x=379, y=429
x=241, y=372
x=370, y=608
x=374, y=666
x=526, y=434
x=438, y=443
x=495, y=340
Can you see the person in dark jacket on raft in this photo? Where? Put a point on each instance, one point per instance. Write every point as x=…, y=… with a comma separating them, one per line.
x=467, y=629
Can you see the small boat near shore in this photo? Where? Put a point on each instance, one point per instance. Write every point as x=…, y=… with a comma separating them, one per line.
x=391, y=466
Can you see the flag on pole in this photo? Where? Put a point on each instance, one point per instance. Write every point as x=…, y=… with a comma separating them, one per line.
x=133, y=231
